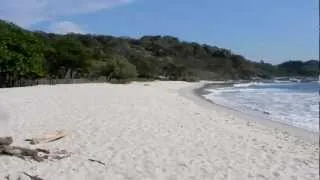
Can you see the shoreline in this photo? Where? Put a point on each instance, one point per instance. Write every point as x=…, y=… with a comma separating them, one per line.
x=196, y=94
x=147, y=130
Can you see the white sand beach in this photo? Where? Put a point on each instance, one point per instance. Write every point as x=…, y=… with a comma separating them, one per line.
x=148, y=130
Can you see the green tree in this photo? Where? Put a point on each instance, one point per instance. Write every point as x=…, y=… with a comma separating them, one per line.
x=146, y=65
x=26, y=55
x=119, y=68
x=69, y=55
x=21, y=53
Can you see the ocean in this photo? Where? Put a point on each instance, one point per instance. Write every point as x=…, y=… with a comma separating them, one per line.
x=295, y=104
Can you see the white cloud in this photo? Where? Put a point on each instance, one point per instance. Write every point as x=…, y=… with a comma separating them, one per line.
x=64, y=27
x=28, y=12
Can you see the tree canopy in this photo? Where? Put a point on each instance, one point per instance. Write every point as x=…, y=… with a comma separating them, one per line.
x=25, y=54
x=21, y=53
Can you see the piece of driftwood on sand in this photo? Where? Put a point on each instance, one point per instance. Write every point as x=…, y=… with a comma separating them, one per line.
x=49, y=137
x=26, y=174
x=36, y=154
x=32, y=177
x=97, y=161
x=21, y=152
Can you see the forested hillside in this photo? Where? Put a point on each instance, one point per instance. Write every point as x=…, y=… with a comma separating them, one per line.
x=298, y=68
x=29, y=55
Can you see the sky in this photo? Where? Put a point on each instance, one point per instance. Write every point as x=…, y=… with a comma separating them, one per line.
x=269, y=30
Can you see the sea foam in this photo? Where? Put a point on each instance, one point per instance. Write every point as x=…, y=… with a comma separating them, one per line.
x=295, y=104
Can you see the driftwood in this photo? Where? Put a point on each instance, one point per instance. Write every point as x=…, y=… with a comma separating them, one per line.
x=8, y=178
x=26, y=174
x=35, y=154
x=47, y=137
x=5, y=140
x=58, y=155
x=32, y=177
x=100, y=162
x=21, y=152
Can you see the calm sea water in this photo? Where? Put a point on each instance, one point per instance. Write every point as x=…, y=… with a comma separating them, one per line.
x=296, y=104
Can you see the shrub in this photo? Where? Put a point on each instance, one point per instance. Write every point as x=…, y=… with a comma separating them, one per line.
x=119, y=68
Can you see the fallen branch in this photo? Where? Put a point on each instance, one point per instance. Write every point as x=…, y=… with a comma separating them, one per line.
x=47, y=137
x=32, y=177
x=36, y=154
x=23, y=152
x=92, y=160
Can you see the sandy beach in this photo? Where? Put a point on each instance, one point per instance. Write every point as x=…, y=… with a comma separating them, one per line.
x=149, y=130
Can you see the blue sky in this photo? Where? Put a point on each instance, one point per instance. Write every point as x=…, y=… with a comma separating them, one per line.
x=272, y=30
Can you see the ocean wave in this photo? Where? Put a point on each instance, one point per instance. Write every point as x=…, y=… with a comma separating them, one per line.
x=247, y=84
x=297, y=108
x=238, y=90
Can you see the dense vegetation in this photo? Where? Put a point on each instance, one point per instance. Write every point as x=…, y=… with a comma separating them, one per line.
x=29, y=55
x=298, y=68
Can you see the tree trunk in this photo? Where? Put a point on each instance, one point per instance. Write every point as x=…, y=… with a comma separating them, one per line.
x=2, y=79
x=71, y=73
x=109, y=77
